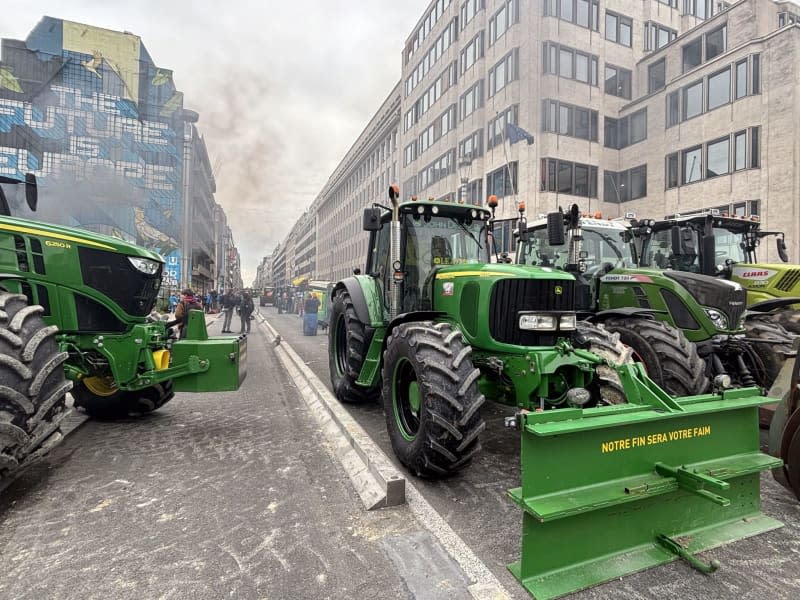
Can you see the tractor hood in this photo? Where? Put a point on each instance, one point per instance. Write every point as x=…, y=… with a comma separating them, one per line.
x=499, y=270
x=67, y=236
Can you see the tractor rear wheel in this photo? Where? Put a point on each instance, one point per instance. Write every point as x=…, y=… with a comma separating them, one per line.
x=32, y=382
x=431, y=398
x=669, y=358
x=598, y=340
x=101, y=399
x=777, y=341
x=347, y=348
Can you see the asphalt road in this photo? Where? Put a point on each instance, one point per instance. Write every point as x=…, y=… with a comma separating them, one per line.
x=475, y=506
x=229, y=495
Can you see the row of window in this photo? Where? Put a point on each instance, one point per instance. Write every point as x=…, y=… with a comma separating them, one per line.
x=657, y=36
x=569, y=63
x=469, y=10
x=704, y=48
x=471, y=100
x=584, y=13
x=566, y=177
x=702, y=9
x=437, y=10
x=503, y=181
x=566, y=119
x=441, y=125
x=619, y=29
x=618, y=81
x=472, y=146
x=437, y=170
x=496, y=129
x=624, y=132
x=504, y=72
x=623, y=186
x=444, y=82
x=735, y=152
x=443, y=42
x=503, y=19
x=472, y=52
x=735, y=81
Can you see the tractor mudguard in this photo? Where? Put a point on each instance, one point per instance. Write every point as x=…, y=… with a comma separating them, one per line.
x=417, y=316
x=770, y=305
x=366, y=298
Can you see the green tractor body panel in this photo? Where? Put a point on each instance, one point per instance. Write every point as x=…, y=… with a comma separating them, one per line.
x=100, y=291
x=614, y=490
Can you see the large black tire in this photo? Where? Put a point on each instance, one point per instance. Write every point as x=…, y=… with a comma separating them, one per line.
x=119, y=404
x=607, y=388
x=32, y=383
x=772, y=352
x=347, y=348
x=670, y=359
x=431, y=398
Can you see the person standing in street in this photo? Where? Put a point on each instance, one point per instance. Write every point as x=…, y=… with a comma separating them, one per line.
x=246, y=308
x=188, y=302
x=311, y=308
x=173, y=301
x=209, y=300
x=230, y=302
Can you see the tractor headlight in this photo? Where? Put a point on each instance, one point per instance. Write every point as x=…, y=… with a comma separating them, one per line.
x=719, y=320
x=568, y=322
x=537, y=322
x=145, y=265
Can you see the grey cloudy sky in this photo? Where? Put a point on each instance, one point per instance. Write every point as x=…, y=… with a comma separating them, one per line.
x=283, y=88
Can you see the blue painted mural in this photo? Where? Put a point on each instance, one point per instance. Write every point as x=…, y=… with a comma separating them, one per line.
x=101, y=126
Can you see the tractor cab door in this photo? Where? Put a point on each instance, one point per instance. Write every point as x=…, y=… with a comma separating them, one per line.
x=378, y=262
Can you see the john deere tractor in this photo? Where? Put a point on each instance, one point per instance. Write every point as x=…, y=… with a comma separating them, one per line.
x=668, y=317
x=723, y=246
x=611, y=465
x=75, y=314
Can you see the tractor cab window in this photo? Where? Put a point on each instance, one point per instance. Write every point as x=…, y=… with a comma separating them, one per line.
x=601, y=247
x=660, y=255
x=539, y=253
x=438, y=242
x=379, y=261
x=728, y=246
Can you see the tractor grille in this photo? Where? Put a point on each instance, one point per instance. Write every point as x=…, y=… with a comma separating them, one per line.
x=789, y=280
x=510, y=296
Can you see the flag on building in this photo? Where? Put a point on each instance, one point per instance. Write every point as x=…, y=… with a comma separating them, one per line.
x=515, y=134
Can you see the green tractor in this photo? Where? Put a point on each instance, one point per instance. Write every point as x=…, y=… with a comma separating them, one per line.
x=611, y=466
x=668, y=317
x=75, y=312
x=722, y=246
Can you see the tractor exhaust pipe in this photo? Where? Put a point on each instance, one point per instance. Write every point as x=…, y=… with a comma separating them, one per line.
x=398, y=275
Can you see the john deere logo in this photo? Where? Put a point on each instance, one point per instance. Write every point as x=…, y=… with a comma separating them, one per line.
x=558, y=290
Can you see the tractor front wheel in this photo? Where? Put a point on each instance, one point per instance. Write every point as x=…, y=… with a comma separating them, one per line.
x=347, y=347
x=670, y=359
x=32, y=383
x=774, y=342
x=102, y=399
x=431, y=398
x=597, y=339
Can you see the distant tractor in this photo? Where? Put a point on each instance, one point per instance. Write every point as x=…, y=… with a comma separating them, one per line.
x=75, y=312
x=667, y=317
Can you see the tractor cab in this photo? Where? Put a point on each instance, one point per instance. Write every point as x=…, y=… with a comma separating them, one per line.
x=432, y=237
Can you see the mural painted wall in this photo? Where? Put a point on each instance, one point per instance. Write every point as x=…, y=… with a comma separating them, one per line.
x=100, y=125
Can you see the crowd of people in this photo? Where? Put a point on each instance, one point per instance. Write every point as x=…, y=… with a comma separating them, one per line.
x=238, y=301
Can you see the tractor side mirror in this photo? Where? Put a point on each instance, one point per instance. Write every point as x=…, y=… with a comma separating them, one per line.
x=677, y=246
x=372, y=219
x=709, y=253
x=555, y=229
x=782, y=250
x=523, y=230
x=31, y=191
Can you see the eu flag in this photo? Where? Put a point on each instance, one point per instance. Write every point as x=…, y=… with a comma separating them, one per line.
x=515, y=134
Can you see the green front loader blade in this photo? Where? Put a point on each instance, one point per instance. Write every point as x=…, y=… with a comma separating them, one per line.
x=614, y=490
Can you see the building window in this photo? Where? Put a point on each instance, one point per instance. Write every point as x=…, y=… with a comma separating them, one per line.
x=621, y=133
x=496, y=130
x=657, y=36
x=503, y=181
x=618, y=28
x=472, y=52
x=756, y=87
x=566, y=119
x=657, y=76
x=673, y=109
x=716, y=42
x=504, y=72
x=569, y=63
x=625, y=185
x=692, y=54
x=717, y=158
x=692, y=165
x=503, y=19
x=570, y=178
x=740, y=151
x=672, y=170
x=469, y=9
x=638, y=182
x=693, y=100
x=471, y=100
x=618, y=81
x=719, y=88
x=472, y=146
x=741, y=79
x=755, y=153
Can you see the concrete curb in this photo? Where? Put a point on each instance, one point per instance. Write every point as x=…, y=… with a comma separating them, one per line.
x=377, y=481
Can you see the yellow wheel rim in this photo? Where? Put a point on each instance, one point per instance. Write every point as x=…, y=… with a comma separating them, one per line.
x=101, y=386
